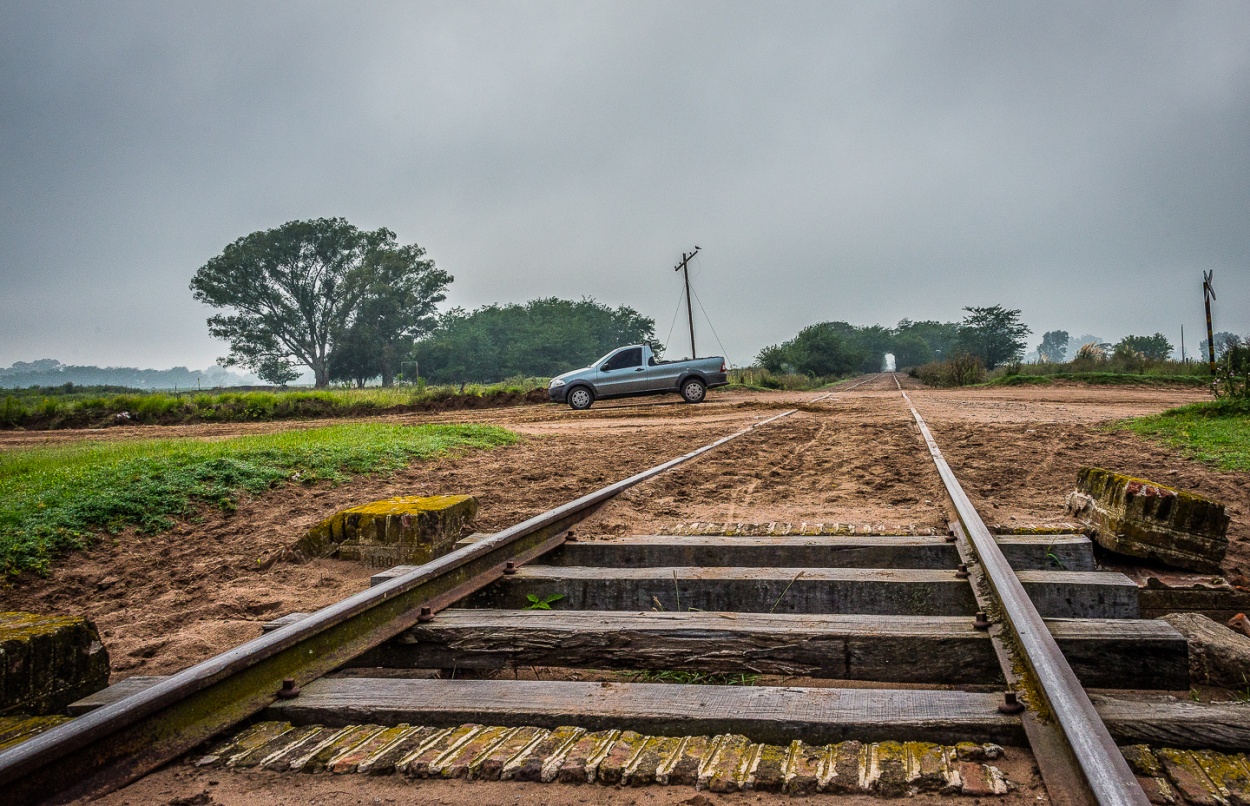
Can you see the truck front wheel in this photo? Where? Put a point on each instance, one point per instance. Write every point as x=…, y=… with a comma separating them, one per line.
x=693, y=391
x=580, y=398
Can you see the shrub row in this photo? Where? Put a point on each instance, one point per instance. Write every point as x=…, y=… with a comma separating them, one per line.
x=94, y=410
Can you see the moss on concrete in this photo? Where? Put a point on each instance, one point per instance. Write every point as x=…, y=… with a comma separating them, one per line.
x=47, y=662
x=1141, y=518
x=403, y=530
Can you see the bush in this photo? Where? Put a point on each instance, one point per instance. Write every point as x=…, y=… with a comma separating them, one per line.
x=961, y=369
x=94, y=409
x=760, y=378
x=1232, y=373
x=11, y=411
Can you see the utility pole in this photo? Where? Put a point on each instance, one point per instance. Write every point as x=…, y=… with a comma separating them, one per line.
x=1183, y=361
x=685, y=266
x=1208, y=294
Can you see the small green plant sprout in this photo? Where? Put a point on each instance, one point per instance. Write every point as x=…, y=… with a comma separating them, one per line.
x=1052, y=558
x=1242, y=695
x=544, y=603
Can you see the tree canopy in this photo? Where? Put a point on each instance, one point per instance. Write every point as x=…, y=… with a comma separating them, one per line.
x=994, y=334
x=542, y=338
x=296, y=291
x=398, y=293
x=839, y=348
x=1054, y=347
x=1224, y=340
x=1153, y=348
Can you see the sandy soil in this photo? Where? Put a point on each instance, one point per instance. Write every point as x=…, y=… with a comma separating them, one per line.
x=1017, y=455
x=163, y=602
x=851, y=455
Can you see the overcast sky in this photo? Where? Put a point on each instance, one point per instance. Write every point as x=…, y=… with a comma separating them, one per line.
x=1083, y=162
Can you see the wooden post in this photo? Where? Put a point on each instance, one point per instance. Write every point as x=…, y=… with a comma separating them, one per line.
x=685, y=266
x=1208, y=294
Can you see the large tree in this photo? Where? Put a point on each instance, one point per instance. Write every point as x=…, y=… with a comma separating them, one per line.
x=1154, y=348
x=398, y=293
x=821, y=350
x=917, y=343
x=293, y=291
x=1054, y=347
x=995, y=334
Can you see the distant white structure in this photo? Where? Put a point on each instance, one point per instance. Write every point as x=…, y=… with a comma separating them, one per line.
x=887, y=363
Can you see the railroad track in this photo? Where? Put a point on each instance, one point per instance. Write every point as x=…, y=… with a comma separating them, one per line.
x=978, y=614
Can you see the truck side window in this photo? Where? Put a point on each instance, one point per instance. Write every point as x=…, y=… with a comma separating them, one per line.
x=625, y=359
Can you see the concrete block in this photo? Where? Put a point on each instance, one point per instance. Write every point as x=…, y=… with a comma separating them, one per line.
x=1218, y=656
x=1142, y=519
x=407, y=529
x=47, y=662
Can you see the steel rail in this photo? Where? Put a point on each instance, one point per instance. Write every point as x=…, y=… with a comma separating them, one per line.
x=119, y=743
x=1106, y=772
x=1065, y=783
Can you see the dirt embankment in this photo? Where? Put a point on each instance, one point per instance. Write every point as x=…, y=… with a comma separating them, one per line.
x=168, y=600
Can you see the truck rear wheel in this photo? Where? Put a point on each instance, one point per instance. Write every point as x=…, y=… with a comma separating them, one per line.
x=580, y=398
x=693, y=391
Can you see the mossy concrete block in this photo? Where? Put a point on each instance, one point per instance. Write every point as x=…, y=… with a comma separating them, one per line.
x=1140, y=518
x=47, y=662
x=1218, y=656
x=408, y=529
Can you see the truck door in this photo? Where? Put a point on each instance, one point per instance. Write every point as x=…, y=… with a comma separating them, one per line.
x=619, y=375
x=661, y=377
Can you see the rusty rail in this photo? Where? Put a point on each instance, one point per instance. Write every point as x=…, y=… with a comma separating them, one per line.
x=1107, y=774
x=119, y=743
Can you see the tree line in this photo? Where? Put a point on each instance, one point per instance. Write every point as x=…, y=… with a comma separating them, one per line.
x=353, y=305
x=994, y=335
x=48, y=372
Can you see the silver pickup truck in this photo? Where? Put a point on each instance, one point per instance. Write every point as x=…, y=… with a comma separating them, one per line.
x=633, y=371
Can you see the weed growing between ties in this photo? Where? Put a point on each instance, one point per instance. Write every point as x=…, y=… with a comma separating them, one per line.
x=53, y=500
x=1215, y=433
x=692, y=678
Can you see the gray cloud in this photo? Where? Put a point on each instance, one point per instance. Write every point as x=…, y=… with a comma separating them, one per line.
x=1083, y=162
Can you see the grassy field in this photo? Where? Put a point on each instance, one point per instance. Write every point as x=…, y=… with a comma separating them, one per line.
x=1216, y=433
x=53, y=500
x=762, y=380
x=59, y=408
x=1102, y=379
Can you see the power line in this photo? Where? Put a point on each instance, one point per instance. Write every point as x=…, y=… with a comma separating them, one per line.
x=676, y=311
x=712, y=326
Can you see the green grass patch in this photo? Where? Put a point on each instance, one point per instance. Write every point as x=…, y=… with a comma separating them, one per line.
x=757, y=379
x=53, y=500
x=1101, y=379
x=54, y=407
x=1216, y=433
